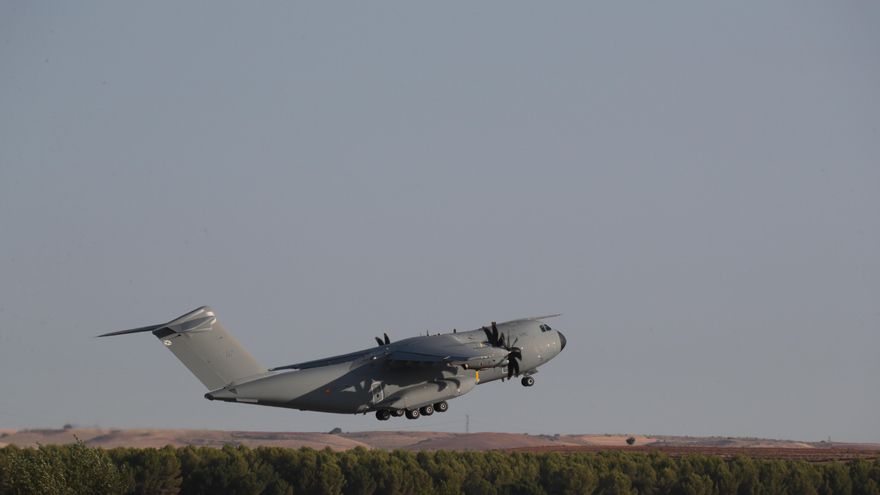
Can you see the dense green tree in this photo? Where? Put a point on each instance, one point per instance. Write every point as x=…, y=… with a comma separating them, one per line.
x=274, y=484
x=865, y=476
x=745, y=472
x=150, y=471
x=802, y=479
x=559, y=475
x=615, y=483
x=359, y=480
x=772, y=475
x=28, y=471
x=835, y=480
x=69, y=469
x=75, y=469
x=695, y=484
x=226, y=470
x=446, y=470
x=330, y=479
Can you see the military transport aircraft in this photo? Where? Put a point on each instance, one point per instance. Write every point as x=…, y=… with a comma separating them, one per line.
x=412, y=377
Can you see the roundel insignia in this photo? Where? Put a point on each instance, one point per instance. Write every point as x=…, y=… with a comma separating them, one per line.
x=167, y=342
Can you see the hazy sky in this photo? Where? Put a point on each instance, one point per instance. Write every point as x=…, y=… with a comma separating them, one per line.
x=696, y=187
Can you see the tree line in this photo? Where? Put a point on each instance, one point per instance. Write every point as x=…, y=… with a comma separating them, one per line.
x=79, y=469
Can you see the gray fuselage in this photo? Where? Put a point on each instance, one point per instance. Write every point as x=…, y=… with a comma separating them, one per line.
x=371, y=381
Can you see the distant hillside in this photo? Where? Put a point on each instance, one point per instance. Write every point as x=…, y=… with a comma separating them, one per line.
x=386, y=440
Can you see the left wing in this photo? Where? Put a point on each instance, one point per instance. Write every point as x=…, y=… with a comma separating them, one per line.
x=427, y=357
x=444, y=350
x=436, y=350
x=326, y=361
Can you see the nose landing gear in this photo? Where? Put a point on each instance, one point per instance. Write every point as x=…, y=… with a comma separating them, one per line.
x=527, y=381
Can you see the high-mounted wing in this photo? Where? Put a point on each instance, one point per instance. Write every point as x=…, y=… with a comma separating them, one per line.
x=424, y=357
x=437, y=350
x=326, y=361
x=442, y=350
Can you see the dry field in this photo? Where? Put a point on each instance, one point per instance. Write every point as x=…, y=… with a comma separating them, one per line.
x=419, y=440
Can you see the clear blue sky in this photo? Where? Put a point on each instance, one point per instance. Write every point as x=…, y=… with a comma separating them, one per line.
x=695, y=186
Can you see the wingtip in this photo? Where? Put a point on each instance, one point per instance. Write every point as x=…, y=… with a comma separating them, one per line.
x=535, y=318
x=554, y=315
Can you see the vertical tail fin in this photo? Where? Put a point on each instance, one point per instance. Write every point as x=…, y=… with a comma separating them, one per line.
x=205, y=346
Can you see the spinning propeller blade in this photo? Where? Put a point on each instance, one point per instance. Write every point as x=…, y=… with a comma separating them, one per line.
x=514, y=354
x=385, y=342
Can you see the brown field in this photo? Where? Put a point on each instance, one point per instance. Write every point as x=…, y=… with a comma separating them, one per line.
x=421, y=440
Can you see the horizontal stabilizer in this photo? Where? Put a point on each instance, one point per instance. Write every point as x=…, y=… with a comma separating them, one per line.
x=205, y=347
x=133, y=330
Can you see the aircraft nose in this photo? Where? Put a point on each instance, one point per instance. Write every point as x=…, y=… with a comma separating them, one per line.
x=561, y=340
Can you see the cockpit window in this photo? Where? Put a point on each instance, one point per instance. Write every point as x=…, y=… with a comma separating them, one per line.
x=545, y=327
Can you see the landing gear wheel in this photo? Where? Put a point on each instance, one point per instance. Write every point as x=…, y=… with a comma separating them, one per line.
x=427, y=410
x=383, y=415
x=441, y=406
x=397, y=413
x=412, y=414
x=528, y=381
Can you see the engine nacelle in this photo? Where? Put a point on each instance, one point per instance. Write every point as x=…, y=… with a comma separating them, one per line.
x=493, y=359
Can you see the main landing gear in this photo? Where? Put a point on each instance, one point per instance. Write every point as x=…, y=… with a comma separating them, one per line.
x=386, y=414
x=527, y=381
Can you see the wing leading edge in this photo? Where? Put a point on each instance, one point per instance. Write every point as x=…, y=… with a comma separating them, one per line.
x=438, y=350
x=326, y=361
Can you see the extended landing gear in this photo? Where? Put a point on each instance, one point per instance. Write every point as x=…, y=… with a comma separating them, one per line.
x=385, y=414
x=528, y=381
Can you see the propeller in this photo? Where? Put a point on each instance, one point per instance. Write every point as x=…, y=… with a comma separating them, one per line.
x=514, y=354
x=386, y=342
x=513, y=358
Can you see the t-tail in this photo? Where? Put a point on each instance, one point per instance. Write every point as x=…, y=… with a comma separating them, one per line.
x=205, y=346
